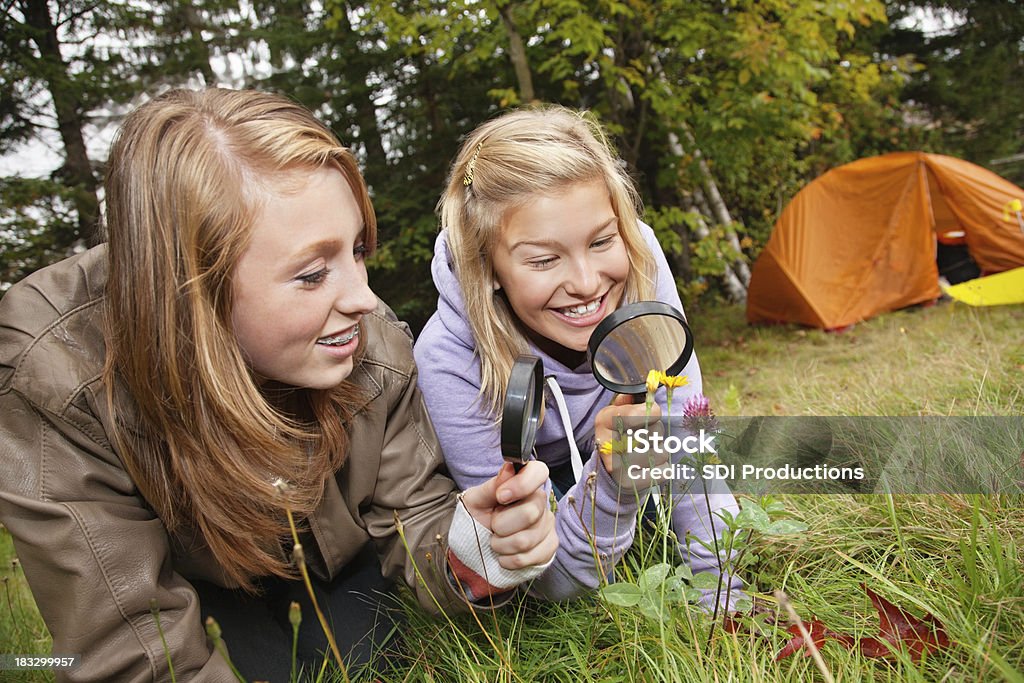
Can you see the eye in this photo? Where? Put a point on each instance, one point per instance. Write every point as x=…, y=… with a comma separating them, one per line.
x=603, y=242
x=361, y=251
x=540, y=264
x=315, y=278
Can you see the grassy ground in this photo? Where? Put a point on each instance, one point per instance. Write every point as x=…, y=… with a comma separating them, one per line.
x=22, y=630
x=957, y=557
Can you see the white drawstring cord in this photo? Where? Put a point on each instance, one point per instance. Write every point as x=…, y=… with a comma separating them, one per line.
x=574, y=451
x=563, y=412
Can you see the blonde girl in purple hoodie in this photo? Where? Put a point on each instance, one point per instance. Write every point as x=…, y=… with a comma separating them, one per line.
x=540, y=241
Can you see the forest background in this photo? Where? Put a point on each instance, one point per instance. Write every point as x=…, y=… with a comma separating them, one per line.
x=722, y=109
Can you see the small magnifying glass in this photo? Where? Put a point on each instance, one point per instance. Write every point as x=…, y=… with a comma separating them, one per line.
x=520, y=415
x=635, y=339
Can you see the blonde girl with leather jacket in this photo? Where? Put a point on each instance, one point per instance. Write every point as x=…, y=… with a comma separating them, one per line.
x=168, y=397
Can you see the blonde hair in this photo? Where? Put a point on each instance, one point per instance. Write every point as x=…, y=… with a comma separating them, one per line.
x=501, y=166
x=188, y=174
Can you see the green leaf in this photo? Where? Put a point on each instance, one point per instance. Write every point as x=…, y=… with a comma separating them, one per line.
x=649, y=608
x=781, y=527
x=654, y=576
x=623, y=594
x=705, y=581
x=744, y=605
x=753, y=516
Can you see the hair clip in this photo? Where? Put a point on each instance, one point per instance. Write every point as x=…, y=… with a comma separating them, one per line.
x=467, y=179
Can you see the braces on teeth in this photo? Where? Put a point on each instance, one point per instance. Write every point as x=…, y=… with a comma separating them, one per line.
x=338, y=341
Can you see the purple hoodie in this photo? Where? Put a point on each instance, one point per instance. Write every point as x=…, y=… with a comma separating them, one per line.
x=593, y=518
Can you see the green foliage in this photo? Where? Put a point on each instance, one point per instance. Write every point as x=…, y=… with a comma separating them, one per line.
x=795, y=371
x=751, y=99
x=662, y=589
x=38, y=226
x=970, y=83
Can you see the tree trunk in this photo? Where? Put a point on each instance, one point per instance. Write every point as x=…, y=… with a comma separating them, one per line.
x=737, y=269
x=734, y=285
x=718, y=207
x=735, y=288
x=77, y=169
x=517, y=53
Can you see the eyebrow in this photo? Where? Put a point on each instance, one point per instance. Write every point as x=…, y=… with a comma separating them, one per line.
x=322, y=247
x=315, y=249
x=554, y=242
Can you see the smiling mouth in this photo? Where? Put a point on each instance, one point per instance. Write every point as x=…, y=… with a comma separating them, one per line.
x=581, y=310
x=341, y=339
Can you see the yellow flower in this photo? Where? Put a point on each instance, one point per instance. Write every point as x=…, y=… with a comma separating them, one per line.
x=674, y=381
x=605, y=448
x=653, y=379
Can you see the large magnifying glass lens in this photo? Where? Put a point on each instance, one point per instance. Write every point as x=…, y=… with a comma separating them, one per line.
x=638, y=338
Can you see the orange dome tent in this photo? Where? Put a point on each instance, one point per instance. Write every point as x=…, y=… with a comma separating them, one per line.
x=861, y=239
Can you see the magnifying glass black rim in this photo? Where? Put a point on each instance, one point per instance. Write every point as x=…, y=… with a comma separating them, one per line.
x=517, y=444
x=625, y=314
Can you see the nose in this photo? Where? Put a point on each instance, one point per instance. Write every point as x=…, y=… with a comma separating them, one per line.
x=584, y=280
x=354, y=297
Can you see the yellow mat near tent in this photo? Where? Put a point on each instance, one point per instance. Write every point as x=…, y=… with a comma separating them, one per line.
x=994, y=290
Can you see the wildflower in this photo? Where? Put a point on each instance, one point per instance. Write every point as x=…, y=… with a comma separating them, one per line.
x=213, y=629
x=674, y=381
x=613, y=445
x=653, y=380
x=697, y=414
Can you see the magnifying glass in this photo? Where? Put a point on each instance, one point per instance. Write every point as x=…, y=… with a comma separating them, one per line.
x=520, y=415
x=635, y=339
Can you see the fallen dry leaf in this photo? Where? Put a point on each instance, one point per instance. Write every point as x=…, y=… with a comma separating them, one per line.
x=899, y=626
x=818, y=632
x=897, y=629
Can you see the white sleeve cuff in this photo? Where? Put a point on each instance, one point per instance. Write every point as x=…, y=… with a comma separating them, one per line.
x=471, y=543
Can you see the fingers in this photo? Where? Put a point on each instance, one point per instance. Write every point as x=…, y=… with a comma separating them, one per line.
x=481, y=499
x=612, y=420
x=539, y=554
x=621, y=400
x=506, y=472
x=524, y=534
x=524, y=514
x=524, y=484
x=524, y=530
x=604, y=423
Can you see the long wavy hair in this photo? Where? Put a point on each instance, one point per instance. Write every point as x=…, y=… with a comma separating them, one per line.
x=188, y=174
x=502, y=165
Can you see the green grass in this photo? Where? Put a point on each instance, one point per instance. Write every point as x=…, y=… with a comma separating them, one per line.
x=952, y=556
x=22, y=630
x=958, y=557
x=948, y=359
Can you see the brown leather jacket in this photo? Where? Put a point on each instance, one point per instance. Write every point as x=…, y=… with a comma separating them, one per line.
x=94, y=552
